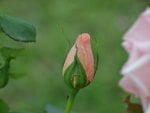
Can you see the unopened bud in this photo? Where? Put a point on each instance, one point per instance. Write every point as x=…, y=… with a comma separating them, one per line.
x=81, y=62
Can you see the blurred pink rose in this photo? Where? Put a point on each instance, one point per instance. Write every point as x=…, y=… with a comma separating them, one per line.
x=136, y=71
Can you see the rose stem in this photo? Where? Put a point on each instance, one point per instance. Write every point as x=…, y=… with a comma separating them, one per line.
x=70, y=101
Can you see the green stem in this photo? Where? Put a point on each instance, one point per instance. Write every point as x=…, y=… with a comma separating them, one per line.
x=70, y=101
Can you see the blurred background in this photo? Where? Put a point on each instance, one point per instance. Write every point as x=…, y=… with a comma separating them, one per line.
x=39, y=82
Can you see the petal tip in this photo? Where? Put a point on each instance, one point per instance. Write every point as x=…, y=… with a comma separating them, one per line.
x=84, y=37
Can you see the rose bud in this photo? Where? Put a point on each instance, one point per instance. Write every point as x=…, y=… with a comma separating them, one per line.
x=81, y=63
x=136, y=71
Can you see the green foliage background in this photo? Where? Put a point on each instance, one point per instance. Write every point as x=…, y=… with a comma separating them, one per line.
x=39, y=79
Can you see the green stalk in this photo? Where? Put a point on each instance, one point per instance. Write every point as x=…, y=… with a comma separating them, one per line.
x=71, y=101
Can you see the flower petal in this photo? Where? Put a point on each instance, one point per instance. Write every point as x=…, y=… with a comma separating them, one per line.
x=85, y=54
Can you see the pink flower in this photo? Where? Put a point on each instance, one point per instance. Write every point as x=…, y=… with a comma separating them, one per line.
x=136, y=71
x=80, y=53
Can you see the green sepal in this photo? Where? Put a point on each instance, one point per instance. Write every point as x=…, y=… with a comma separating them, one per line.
x=82, y=77
x=68, y=75
x=17, y=29
x=75, y=76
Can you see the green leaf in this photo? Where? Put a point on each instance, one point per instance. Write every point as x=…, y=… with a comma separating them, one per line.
x=3, y=107
x=10, y=52
x=4, y=77
x=5, y=41
x=6, y=55
x=2, y=61
x=17, y=29
x=16, y=75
